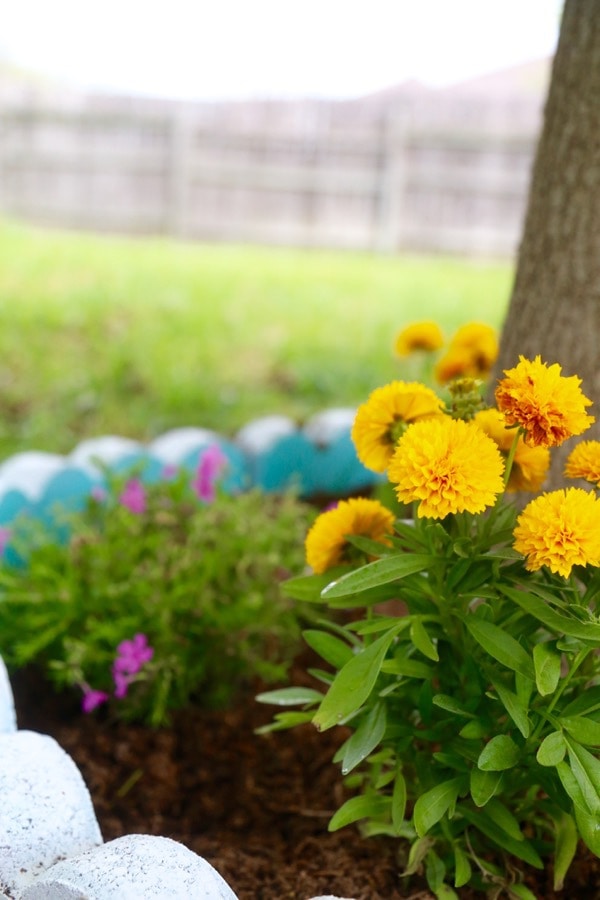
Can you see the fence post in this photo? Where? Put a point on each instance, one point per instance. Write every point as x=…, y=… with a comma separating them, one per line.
x=177, y=171
x=392, y=178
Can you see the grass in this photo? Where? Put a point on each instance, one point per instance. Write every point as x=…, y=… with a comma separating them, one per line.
x=133, y=337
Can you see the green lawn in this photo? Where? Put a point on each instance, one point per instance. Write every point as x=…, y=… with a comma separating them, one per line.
x=119, y=336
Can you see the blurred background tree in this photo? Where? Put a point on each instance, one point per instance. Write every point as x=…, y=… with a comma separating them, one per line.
x=555, y=302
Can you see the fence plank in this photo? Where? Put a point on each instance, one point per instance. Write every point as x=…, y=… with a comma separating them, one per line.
x=331, y=178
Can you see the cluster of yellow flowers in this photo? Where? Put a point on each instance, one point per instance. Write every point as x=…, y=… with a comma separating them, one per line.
x=471, y=352
x=447, y=465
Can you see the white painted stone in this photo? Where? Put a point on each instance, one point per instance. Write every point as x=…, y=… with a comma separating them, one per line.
x=324, y=427
x=46, y=812
x=131, y=868
x=260, y=435
x=173, y=446
x=108, y=449
x=30, y=472
x=8, y=719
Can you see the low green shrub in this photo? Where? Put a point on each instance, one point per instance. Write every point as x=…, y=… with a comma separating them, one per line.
x=160, y=596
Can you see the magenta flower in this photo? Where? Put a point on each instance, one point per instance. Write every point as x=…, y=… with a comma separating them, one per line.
x=92, y=698
x=169, y=472
x=211, y=464
x=133, y=497
x=5, y=535
x=98, y=493
x=131, y=656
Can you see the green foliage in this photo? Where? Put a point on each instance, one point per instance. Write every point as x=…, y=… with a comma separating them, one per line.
x=474, y=713
x=200, y=580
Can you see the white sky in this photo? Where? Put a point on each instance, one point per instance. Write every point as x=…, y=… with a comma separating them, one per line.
x=212, y=49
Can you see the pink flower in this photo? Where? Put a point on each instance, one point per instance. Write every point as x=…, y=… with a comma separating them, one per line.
x=92, y=698
x=5, y=535
x=169, y=472
x=133, y=497
x=131, y=656
x=98, y=493
x=211, y=464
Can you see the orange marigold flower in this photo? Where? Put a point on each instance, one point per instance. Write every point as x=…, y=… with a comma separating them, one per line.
x=448, y=465
x=419, y=336
x=547, y=405
x=472, y=352
x=326, y=543
x=584, y=462
x=384, y=417
x=456, y=363
x=530, y=464
x=560, y=530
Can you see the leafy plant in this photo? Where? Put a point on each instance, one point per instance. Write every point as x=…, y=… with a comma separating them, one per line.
x=161, y=595
x=466, y=669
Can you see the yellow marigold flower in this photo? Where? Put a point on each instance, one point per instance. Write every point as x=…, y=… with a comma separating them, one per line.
x=472, y=352
x=530, y=464
x=584, y=462
x=448, y=465
x=384, y=417
x=419, y=336
x=560, y=530
x=326, y=543
x=547, y=405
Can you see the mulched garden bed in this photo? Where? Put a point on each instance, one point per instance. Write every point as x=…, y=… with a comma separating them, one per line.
x=255, y=806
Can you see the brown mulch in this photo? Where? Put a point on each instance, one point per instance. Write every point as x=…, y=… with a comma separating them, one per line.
x=255, y=806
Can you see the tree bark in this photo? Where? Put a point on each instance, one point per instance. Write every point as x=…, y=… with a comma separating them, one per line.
x=554, y=309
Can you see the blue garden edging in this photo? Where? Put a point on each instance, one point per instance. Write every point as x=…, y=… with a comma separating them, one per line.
x=272, y=453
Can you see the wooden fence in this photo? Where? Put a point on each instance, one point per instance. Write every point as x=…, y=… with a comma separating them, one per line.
x=317, y=178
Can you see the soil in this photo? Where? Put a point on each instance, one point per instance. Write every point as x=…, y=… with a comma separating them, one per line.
x=255, y=806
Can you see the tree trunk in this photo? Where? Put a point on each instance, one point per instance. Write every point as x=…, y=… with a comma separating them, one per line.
x=554, y=309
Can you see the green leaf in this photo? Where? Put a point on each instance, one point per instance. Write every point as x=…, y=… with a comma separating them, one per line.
x=556, y=622
x=552, y=749
x=546, y=662
x=499, y=754
x=309, y=588
x=353, y=683
x=435, y=871
x=501, y=646
x=521, y=849
x=366, y=737
x=462, y=867
x=421, y=639
x=584, y=730
x=330, y=648
x=589, y=829
x=571, y=786
x=399, y=800
x=450, y=705
x=504, y=819
x=290, y=696
x=473, y=730
x=521, y=892
x=417, y=853
x=513, y=706
x=565, y=847
x=586, y=702
x=483, y=785
x=382, y=571
x=434, y=804
x=363, y=807
x=586, y=769
x=373, y=548
x=285, y=720
x=411, y=668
